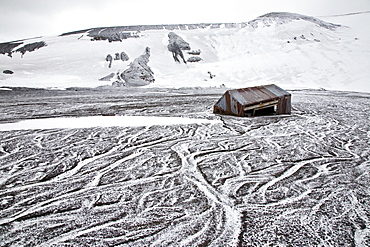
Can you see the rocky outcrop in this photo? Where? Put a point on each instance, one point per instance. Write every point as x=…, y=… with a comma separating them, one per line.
x=124, y=56
x=138, y=73
x=196, y=52
x=31, y=47
x=118, y=56
x=7, y=48
x=194, y=59
x=180, y=42
x=8, y=72
x=111, y=34
x=176, y=45
x=109, y=59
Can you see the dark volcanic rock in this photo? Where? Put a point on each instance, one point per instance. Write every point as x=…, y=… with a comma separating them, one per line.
x=109, y=59
x=197, y=52
x=31, y=47
x=182, y=44
x=124, y=56
x=194, y=59
x=7, y=48
x=9, y=72
x=111, y=34
x=176, y=45
x=138, y=73
x=117, y=56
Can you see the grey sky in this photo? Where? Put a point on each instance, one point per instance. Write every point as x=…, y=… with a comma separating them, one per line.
x=20, y=19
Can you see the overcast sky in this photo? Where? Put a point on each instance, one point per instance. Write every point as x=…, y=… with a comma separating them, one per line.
x=20, y=19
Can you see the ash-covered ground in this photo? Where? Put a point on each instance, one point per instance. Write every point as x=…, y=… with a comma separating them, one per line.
x=294, y=180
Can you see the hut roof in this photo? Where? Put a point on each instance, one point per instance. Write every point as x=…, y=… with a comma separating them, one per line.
x=258, y=94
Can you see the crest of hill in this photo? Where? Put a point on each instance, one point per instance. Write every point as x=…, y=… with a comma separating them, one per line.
x=279, y=18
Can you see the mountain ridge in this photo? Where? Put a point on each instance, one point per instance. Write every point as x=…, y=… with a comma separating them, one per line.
x=138, y=28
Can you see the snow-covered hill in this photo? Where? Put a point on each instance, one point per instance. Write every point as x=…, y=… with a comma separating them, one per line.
x=291, y=50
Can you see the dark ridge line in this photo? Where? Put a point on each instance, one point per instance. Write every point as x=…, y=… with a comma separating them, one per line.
x=138, y=28
x=159, y=27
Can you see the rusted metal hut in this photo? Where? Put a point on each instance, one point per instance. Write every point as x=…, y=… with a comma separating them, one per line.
x=252, y=101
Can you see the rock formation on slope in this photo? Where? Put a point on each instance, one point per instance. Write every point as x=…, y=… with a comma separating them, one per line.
x=118, y=56
x=138, y=73
x=31, y=47
x=194, y=59
x=8, y=47
x=109, y=59
x=176, y=45
x=111, y=34
x=124, y=56
x=121, y=56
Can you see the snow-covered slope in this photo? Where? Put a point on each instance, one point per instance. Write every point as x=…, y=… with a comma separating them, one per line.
x=290, y=50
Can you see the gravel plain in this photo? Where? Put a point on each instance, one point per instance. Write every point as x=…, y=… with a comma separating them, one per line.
x=290, y=180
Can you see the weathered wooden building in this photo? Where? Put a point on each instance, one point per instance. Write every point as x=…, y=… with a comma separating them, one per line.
x=252, y=101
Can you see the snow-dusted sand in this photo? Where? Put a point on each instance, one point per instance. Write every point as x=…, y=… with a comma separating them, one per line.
x=291, y=180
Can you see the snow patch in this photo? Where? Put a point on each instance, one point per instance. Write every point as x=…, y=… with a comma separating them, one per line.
x=100, y=121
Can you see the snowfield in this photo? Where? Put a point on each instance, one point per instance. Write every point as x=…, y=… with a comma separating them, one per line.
x=289, y=50
x=301, y=179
